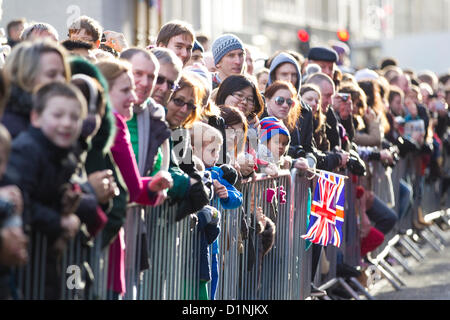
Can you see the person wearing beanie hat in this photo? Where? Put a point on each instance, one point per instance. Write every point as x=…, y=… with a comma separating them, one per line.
x=197, y=55
x=285, y=67
x=325, y=57
x=229, y=57
x=274, y=141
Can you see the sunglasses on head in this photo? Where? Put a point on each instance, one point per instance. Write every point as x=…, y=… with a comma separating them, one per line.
x=170, y=84
x=280, y=101
x=181, y=103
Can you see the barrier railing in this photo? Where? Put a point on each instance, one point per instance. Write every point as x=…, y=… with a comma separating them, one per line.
x=162, y=255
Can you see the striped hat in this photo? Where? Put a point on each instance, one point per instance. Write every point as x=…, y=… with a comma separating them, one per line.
x=271, y=126
x=224, y=44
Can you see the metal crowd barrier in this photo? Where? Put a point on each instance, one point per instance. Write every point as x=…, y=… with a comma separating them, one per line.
x=162, y=255
x=81, y=268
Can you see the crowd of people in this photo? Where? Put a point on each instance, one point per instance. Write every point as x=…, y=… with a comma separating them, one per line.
x=91, y=125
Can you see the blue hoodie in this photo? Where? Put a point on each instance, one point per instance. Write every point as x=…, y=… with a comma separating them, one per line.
x=280, y=59
x=234, y=199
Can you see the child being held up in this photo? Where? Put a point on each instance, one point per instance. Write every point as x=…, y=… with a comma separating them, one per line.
x=273, y=144
x=42, y=156
x=207, y=142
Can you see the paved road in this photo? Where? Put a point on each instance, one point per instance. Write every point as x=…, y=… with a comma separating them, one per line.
x=430, y=279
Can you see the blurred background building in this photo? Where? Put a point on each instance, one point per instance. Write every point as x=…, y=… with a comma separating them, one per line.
x=416, y=32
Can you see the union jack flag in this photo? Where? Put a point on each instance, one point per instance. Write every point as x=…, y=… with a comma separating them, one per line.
x=327, y=211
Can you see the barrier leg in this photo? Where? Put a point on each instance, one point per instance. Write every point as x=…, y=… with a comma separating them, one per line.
x=389, y=269
x=348, y=289
x=429, y=238
x=361, y=288
x=438, y=233
x=411, y=247
x=397, y=256
x=388, y=277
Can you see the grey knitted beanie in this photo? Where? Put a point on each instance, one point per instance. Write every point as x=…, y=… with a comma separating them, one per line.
x=224, y=44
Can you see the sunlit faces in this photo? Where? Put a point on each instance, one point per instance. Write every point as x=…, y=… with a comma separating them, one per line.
x=60, y=121
x=209, y=153
x=326, y=91
x=176, y=114
x=181, y=45
x=280, y=104
x=312, y=98
x=262, y=81
x=162, y=91
x=234, y=137
x=345, y=108
x=278, y=145
x=326, y=66
x=51, y=68
x=396, y=105
x=196, y=58
x=243, y=99
x=83, y=35
x=287, y=72
x=122, y=95
x=231, y=63
x=144, y=73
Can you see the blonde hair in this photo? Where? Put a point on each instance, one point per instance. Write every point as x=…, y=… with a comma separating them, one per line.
x=112, y=69
x=22, y=66
x=208, y=134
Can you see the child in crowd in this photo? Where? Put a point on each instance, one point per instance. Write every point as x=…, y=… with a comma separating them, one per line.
x=13, y=242
x=206, y=145
x=274, y=142
x=42, y=157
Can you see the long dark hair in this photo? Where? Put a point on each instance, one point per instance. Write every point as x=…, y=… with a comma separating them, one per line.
x=238, y=82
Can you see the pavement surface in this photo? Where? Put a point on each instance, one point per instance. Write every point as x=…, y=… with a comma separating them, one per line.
x=430, y=278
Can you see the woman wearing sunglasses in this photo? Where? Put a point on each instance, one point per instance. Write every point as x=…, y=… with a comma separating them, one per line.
x=282, y=103
x=191, y=188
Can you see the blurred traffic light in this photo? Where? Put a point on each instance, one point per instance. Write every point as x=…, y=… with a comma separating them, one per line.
x=343, y=35
x=303, y=43
x=303, y=35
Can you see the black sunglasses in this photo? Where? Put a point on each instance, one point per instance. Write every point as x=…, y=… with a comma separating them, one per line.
x=181, y=103
x=280, y=101
x=172, y=86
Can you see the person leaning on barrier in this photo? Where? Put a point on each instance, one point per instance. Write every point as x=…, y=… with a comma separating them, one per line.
x=45, y=149
x=240, y=91
x=191, y=189
x=13, y=250
x=206, y=144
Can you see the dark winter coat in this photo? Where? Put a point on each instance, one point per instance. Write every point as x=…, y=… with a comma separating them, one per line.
x=99, y=157
x=16, y=117
x=44, y=169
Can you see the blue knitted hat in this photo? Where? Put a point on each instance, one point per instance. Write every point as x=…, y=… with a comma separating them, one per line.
x=224, y=44
x=271, y=126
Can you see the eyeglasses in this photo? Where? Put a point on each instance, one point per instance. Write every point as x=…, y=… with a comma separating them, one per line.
x=250, y=101
x=280, y=101
x=181, y=103
x=170, y=84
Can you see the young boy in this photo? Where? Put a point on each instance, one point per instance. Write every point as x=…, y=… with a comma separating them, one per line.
x=87, y=30
x=207, y=142
x=274, y=142
x=41, y=156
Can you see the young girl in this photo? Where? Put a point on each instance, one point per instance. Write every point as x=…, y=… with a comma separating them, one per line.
x=310, y=93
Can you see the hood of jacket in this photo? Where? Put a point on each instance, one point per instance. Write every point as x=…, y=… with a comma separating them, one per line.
x=280, y=59
x=104, y=138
